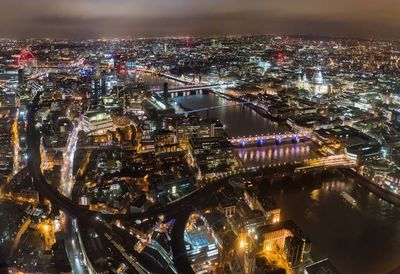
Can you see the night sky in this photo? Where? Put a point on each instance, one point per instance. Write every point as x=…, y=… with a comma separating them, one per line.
x=119, y=18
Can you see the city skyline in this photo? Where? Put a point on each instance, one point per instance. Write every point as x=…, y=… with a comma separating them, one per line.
x=209, y=136
x=97, y=19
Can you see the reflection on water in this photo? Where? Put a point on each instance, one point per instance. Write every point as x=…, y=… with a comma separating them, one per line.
x=155, y=82
x=363, y=239
x=315, y=195
x=274, y=154
x=242, y=121
x=238, y=119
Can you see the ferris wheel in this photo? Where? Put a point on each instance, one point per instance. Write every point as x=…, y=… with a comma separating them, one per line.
x=27, y=60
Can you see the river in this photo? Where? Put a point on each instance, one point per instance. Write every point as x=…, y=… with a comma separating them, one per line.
x=238, y=119
x=364, y=239
x=361, y=239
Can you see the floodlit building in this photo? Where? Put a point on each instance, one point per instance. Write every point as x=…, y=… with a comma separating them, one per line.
x=97, y=122
x=287, y=238
x=318, y=85
x=195, y=128
x=212, y=155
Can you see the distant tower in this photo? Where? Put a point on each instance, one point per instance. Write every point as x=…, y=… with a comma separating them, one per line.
x=96, y=90
x=103, y=84
x=165, y=93
x=21, y=78
x=305, y=80
x=99, y=86
x=165, y=48
x=317, y=78
x=119, y=65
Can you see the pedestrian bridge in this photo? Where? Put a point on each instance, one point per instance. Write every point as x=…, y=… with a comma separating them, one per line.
x=190, y=85
x=190, y=88
x=210, y=108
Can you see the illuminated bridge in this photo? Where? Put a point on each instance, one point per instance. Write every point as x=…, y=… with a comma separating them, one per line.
x=278, y=138
x=210, y=108
x=172, y=77
x=190, y=84
x=190, y=88
x=333, y=161
x=325, y=162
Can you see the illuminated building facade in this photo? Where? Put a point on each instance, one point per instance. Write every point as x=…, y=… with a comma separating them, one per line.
x=195, y=128
x=202, y=246
x=212, y=155
x=97, y=122
x=287, y=238
x=165, y=141
x=317, y=85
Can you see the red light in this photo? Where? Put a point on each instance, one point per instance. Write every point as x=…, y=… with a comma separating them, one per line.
x=25, y=58
x=281, y=57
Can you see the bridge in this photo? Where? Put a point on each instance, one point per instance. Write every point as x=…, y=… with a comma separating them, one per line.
x=326, y=162
x=190, y=84
x=209, y=108
x=278, y=138
x=208, y=185
x=172, y=77
x=333, y=161
x=190, y=88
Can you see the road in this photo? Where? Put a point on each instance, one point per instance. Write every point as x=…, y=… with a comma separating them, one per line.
x=141, y=262
x=178, y=243
x=147, y=261
x=175, y=206
x=76, y=253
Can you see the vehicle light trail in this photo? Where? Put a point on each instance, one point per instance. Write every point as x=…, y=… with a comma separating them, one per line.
x=73, y=245
x=66, y=183
x=15, y=134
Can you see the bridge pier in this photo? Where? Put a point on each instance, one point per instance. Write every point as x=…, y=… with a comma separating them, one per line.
x=278, y=140
x=260, y=142
x=266, y=139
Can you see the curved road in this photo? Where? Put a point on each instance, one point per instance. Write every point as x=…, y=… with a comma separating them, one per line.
x=72, y=238
x=142, y=263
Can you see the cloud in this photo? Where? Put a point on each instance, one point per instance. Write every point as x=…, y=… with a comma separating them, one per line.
x=102, y=18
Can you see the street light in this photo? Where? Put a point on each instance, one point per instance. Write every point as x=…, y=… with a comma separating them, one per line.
x=242, y=244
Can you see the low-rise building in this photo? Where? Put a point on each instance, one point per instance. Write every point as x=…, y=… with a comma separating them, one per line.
x=287, y=237
x=97, y=122
x=212, y=155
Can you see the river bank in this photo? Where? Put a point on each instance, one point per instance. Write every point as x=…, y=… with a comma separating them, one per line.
x=378, y=191
x=250, y=105
x=338, y=229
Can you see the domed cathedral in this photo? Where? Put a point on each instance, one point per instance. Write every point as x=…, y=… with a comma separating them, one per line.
x=317, y=85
